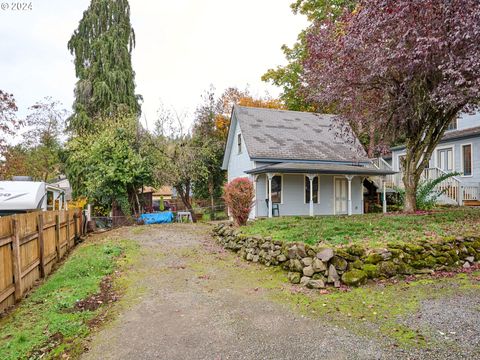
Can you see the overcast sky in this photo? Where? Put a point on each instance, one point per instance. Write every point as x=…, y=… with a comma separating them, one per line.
x=183, y=46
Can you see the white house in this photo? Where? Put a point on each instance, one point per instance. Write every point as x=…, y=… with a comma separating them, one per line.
x=301, y=163
x=459, y=152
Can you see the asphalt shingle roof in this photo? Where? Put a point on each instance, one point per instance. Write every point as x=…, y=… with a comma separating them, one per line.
x=450, y=135
x=292, y=135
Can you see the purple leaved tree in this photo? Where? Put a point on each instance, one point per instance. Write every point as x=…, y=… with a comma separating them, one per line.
x=404, y=67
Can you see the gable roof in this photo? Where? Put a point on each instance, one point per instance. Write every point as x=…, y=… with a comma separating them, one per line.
x=271, y=134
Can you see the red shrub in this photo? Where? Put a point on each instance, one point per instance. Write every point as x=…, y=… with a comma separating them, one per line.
x=238, y=195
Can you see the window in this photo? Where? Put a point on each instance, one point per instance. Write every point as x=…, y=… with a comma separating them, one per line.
x=452, y=125
x=445, y=159
x=315, y=190
x=239, y=143
x=276, y=189
x=467, y=159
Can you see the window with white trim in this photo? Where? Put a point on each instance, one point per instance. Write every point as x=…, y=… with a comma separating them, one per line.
x=315, y=190
x=467, y=159
x=453, y=125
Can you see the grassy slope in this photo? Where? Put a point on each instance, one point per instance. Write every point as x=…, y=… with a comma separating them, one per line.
x=46, y=315
x=374, y=229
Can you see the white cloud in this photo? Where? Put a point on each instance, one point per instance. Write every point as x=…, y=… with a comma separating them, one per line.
x=183, y=46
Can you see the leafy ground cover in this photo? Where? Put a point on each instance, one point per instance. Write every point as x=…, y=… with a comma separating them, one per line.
x=58, y=314
x=372, y=229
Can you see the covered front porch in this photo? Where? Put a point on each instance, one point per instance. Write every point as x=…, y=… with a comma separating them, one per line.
x=311, y=189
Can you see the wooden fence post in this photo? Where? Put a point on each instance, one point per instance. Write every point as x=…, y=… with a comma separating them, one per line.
x=41, y=244
x=75, y=223
x=17, y=265
x=57, y=236
x=68, y=230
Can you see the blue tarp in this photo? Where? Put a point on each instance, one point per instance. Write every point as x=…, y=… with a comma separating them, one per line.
x=157, y=218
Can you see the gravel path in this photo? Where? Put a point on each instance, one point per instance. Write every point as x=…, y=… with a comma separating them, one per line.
x=192, y=300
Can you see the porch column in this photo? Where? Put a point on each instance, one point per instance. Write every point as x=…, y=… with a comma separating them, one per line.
x=270, y=177
x=363, y=196
x=349, y=178
x=311, y=177
x=384, y=200
x=254, y=208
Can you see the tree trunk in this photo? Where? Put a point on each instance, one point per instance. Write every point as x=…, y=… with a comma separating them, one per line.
x=212, y=200
x=185, y=196
x=410, y=199
x=411, y=177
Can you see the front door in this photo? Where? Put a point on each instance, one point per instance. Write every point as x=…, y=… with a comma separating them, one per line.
x=341, y=196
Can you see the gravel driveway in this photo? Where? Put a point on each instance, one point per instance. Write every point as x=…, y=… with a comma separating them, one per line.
x=189, y=299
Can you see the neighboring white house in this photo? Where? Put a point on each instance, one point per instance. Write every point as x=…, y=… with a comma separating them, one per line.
x=458, y=151
x=288, y=153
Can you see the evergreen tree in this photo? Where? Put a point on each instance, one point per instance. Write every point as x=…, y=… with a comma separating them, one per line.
x=102, y=46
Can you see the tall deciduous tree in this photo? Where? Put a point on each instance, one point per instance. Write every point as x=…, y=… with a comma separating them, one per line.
x=8, y=120
x=102, y=46
x=289, y=77
x=107, y=167
x=408, y=66
x=175, y=157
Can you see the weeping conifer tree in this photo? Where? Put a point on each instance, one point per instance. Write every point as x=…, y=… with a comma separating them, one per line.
x=102, y=47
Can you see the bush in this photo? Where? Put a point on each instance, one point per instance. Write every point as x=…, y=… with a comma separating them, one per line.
x=238, y=195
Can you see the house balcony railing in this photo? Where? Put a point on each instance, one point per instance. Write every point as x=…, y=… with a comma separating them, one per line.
x=451, y=188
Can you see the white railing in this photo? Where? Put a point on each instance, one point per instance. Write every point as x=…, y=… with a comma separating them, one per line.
x=390, y=180
x=449, y=187
x=471, y=193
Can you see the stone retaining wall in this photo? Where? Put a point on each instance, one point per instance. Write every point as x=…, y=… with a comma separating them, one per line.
x=353, y=265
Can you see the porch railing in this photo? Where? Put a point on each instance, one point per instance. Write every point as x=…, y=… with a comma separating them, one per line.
x=390, y=180
x=471, y=193
x=452, y=188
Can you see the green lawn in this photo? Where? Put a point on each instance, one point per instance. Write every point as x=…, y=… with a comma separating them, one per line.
x=47, y=320
x=374, y=229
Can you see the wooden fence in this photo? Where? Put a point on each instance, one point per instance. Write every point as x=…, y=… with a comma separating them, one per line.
x=30, y=244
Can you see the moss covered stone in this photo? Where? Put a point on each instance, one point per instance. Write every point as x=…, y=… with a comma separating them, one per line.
x=344, y=254
x=339, y=263
x=357, y=264
x=356, y=250
x=371, y=270
x=413, y=248
x=354, y=277
x=373, y=259
x=442, y=260
x=430, y=261
x=387, y=269
x=294, y=277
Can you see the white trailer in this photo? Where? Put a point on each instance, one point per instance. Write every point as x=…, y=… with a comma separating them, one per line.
x=25, y=196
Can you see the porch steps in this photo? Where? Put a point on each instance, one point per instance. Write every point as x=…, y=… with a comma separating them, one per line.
x=471, y=202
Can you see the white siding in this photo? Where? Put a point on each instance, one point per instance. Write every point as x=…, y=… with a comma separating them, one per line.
x=294, y=197
x=238, y=163
x=457, y=154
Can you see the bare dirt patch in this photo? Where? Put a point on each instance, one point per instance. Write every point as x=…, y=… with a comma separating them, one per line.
x=106, y=295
